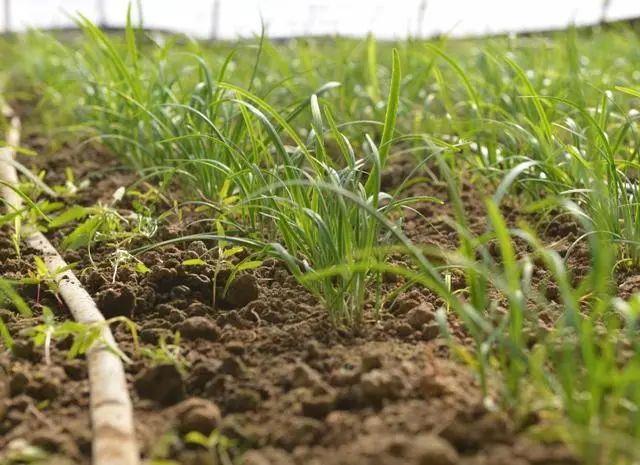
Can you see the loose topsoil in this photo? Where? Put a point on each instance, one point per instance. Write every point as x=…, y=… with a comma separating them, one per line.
x=264, y=366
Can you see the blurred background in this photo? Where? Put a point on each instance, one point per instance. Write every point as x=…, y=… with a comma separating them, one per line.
x=230, y=19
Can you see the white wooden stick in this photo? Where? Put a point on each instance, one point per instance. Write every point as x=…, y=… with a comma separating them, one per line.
x=114, y=441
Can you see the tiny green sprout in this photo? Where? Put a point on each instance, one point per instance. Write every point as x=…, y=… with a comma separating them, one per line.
x=216, y=442
x=194, y=262
x=8, y=295
x=84, y=335
x=15, y=215
x=19, y=451
x=42, y=276
x=121, y=258
x=99, y=222
x=167, y=353
x=104, y=223
x=225, y=262
x=71, y=187
x=5, y=335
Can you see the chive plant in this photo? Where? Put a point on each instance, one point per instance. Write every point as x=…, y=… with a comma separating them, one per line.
x=560, y=145
x=317, y=227
x=247, y=158
x=579, y=373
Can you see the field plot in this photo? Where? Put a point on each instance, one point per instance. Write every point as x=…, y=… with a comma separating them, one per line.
x=326, y=251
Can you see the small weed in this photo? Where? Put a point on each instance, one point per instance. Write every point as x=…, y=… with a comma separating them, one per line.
x=84, y=336
x=42, y=276
x=217, y=443
x=8, y=295
x=121, y=258
x=167, y=353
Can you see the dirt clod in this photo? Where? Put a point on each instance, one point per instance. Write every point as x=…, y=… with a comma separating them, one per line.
x=318, y=407
x=378, y=385
x=371, y=362
x=18, y=383
x=160, y=383
x=233, y=366
x=433, y=450
x=303, y=375
x=116, y=301
x=266, y=456
x=199, y=327
x=25, y=349
x=195, y=414
x=242, y=290
x=299, y=431
x=419, y=316
x=243, y=400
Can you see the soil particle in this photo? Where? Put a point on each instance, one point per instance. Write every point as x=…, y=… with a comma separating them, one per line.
x=160, y=383
x=199, y=247
x=232, y=318
x=199, y=327
x=629, y=286
x=201, y=373
x=242, y=290
x=117, y=300
x=470, y=429
x=299, y=431
x=345, y=376
x=547, y=454
x=162, y=277
x=179, y=292
x=197, y=309
x=164, y=309
x=40, y=385
x=371, y=362
x=176, y=316
x=318, y=407
x=95, y=281
x=303, y=375
x=432, y=386
x=75, y=369
x=378, y=385
x=430, y=449
x=151, y=335
x=235, y=347
x=396, y=449
x=18, y=383
x=233, y=366
x=430, y=331
x=419, y=316
x=25, y=349
x=198, y=283
x=243, y=400
x=195, y=414
x=266, y=456
x=404, y=330
x=404, y=304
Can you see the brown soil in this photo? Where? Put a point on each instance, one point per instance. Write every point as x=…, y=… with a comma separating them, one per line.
x=264, y=365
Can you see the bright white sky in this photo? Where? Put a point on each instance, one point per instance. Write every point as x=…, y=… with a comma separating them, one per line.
x=385, y=18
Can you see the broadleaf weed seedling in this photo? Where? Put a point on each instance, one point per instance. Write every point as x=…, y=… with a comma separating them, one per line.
x=167, y=352
x=41, y=276
x=84, y=335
